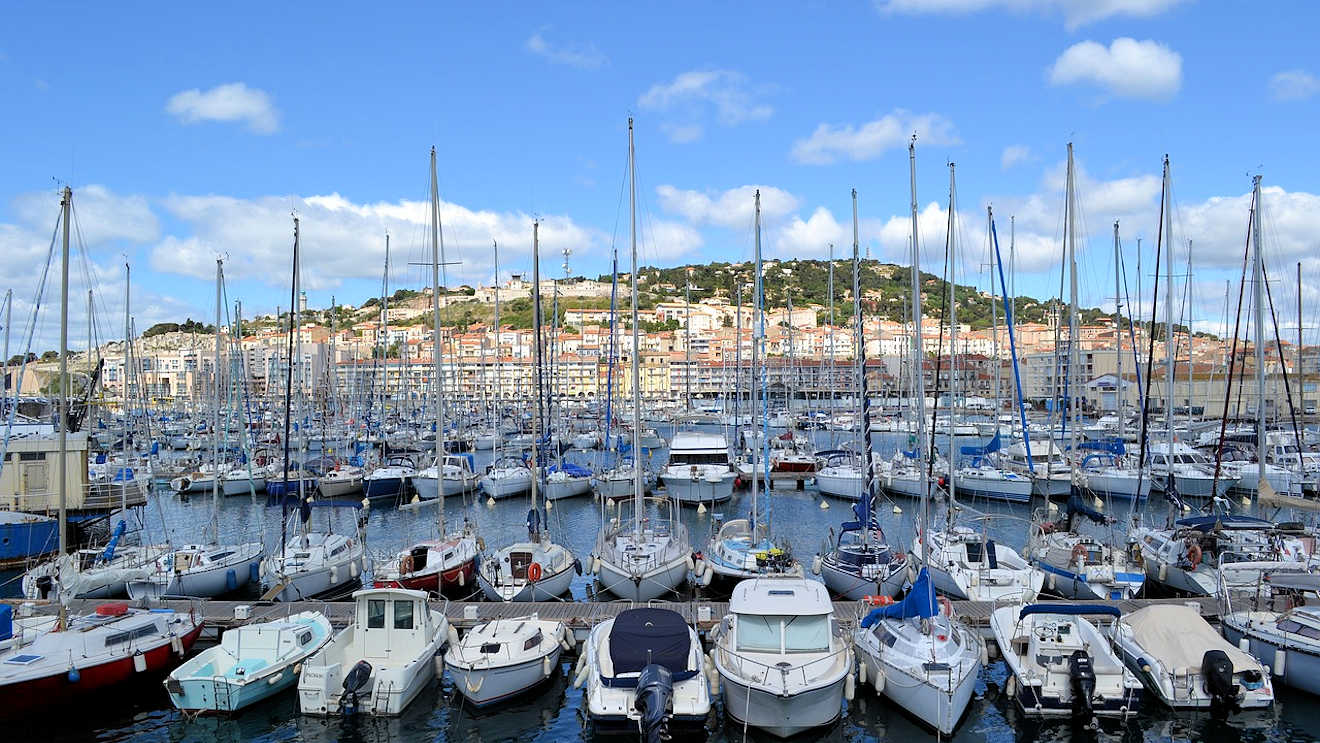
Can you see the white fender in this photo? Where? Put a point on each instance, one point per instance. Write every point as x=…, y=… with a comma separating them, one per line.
x=582, y=674
x=1245, y=645
x=1164, y=572
x=453, y=636
x=691, y=564
x=701, y=507
x=878, y=681
x=1280, y=662
x=708, y=577
x=985, y=654
x=546, y=666
x=549, y=505
x=334, y=575
x=353, y=569
x=176, y=645
x=849, y=687
x=1010, y=688
x=861, y=671
x=490, y=501
x=1052, y=584
x=815, y=565
x=462, y=579
x=140, y=662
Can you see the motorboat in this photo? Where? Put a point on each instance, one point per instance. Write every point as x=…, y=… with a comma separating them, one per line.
x=1061, y=665
x=1287, y=641
x=698, y=469
x=1185, y=472
x=840, y=474
x=644, y=672
x=341, y=481
x=252, y=662
x=915, y=653
x=45, y=666
x=792, y=453
x=381, y=661
x=203, y=571
x=1186, y=664
x=783, y=664
x=1043, y=462
x=507, y=476
x=617, y=482
x=498, y=660
x=965, y=563
x=453, y=474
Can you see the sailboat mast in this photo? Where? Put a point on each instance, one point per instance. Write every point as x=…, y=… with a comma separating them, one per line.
x=1257, y=290
x=758, y=338
x=288, y=393
x=918, y=380
x=952, y=281
x=687, y=343
x=1074, y=413
x=436, y=348
x=538, y=417
x=215, y=428
x=1168, y=318
x=636, y=344
x=830, y=384
x=66, y=206
x=499, y=366
x=1118, y=338
x=864, y=404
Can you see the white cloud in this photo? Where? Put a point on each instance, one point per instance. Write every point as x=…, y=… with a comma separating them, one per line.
x=1014, y=154
x=663, y=240
x=581, y=56
x=1126, y=68
x=229, y=102
x=830, y=143
x=692, y=96
x=1075, y=12
x=1293, y=85
x=733, y=208
x=101, y=216
x=344, y=240
x=812, y=237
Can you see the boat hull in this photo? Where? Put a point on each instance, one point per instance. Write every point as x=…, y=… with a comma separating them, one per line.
x=689, y=491
x=783, y=716
x=484, y=687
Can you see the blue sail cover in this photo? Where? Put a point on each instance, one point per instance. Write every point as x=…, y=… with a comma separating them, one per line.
x=1109, y=446
x=919, y=602
x=992, y=445
x=574, y=470
x=861, y=509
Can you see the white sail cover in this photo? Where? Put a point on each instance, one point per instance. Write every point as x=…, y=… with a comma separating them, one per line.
x=1179, y=638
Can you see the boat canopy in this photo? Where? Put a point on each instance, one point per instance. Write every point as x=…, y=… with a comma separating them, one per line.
x=919, y=602
x=641, y=637
x=992, y=445
x=1069, y=609
x=1179, y=638
x=1217, y=522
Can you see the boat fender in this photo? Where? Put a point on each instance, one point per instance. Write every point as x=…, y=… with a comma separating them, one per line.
x=490, y=501
x=546, y=666
x=231, y=580
x=440, y=665
x=73, y=675
x=481, y=544
x=878, y=681
x=1164, y=572
x=815, y=565
x=262, y=567
x=462, y=578
x=1010, y=687
x=1280, y=662
x=1245, y=645
x=1052, y=582
x=176, y=645
x=577, y=566
x=849, y=687
x=275, y=679
x=297, y=669
x=985, y=655
x=582, y=674
x=140, y=662
x=701, y=507
x=353, y=571
x=861, y=672
x=549, y=505
x=691, y=564
x=609, y=503
x=334, y=574
x=453, y=636
x=593, y=564
x=911, y=574
x=565, y=642
x=707, y=578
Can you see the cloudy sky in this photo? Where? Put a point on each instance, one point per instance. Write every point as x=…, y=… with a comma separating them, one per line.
x=190, y=134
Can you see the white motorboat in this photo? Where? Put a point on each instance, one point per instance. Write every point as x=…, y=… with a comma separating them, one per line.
x=1288, y=642
x=920, y=657
x=1061, y=665
x=644, y=671
x=782, y=663
x=1046, y=466
x=965, y=563
x=617, y=482
x=203, y=571
x=498, y=660
x=1186, y=664
x=1193, y=475
x=506, y=477
x=379, y=663
x=698, y=468
x=391, y=479
x=252, y=662
x=1188, y=557
x=454, y=474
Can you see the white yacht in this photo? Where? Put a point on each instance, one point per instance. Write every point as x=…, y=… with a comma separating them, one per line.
x=920, y=657
x=496, y=661
x=507, y=476
x=617, y=482
x=453, y=474
x=379, y=663
x=782, y=662
x=644, y=672
x=1193, y=474
x=537, y=570
x=698, y=469
x=1061, y=665
x=840, y=474
x=644, y=553
x=203, y=571
x=315, y=564
x=1186, y=664
x=965, y=563
x=566, y=480
x=341, y=481
x=734, y=553
x=1046, y=466
x=1289, y=642
x=1200, y=552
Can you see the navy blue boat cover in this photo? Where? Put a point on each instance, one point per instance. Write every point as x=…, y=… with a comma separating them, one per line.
x=644, y=636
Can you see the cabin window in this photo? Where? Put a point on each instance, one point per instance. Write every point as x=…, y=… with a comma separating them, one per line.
x=119, y=638
x=376, y=614
x=807, y=634
x=533, y=641
x=304, y=638
x=1309, y=632
x=758, y=633
x=691, y=459
x=783, y=634
x=1288, y=625
x=403, y=615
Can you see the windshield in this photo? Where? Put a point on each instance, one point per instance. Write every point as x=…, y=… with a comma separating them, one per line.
x=787, y=634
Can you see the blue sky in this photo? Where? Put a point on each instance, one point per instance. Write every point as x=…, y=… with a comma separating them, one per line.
x=189, y=133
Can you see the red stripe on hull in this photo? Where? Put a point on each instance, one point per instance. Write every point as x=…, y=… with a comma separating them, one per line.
x=430, y=582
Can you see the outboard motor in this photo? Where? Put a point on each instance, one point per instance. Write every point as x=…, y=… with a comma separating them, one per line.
x=654, y=700
x=1217, y=675
x=356, y=679
x=1082, y=675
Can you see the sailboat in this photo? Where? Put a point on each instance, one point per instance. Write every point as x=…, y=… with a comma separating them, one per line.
x=451, y=558
x=858, y=562
x=535, y=569
x=617, y=481
x=310, y=563
x=213, y=569
x=57, y=662
x=743, y=548
x=644, y=554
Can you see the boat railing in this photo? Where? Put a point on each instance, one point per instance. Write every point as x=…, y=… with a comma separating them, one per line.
x=783, y=671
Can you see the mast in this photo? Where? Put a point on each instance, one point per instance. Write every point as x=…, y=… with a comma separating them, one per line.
x=830, y=342
x=499, y=367
x=288, y=394
x=538, y=422
x=758, y=338
x=636, y=345
x=864, y=424
x=1074, y=358
x=1257, y=290
x=737, y=364
x=953, y=333
x=385, y=340
x=215, y=428
x=66, y=205
x=1301, y=388
x=687, y=344
x=1118, y=338
x=436, y=349
x=1169, y=371
x=919, y=382
x=123, y=490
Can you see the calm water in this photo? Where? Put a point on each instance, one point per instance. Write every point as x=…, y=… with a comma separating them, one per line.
x=556, y=713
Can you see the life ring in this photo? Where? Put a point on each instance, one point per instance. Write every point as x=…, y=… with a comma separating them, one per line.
x=877, y=600
x=1194, y=555
x=406, y=565
x=534, y=572
x=1078, y=554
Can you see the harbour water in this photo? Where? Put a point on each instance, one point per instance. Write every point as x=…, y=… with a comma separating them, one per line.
x=555, y=713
